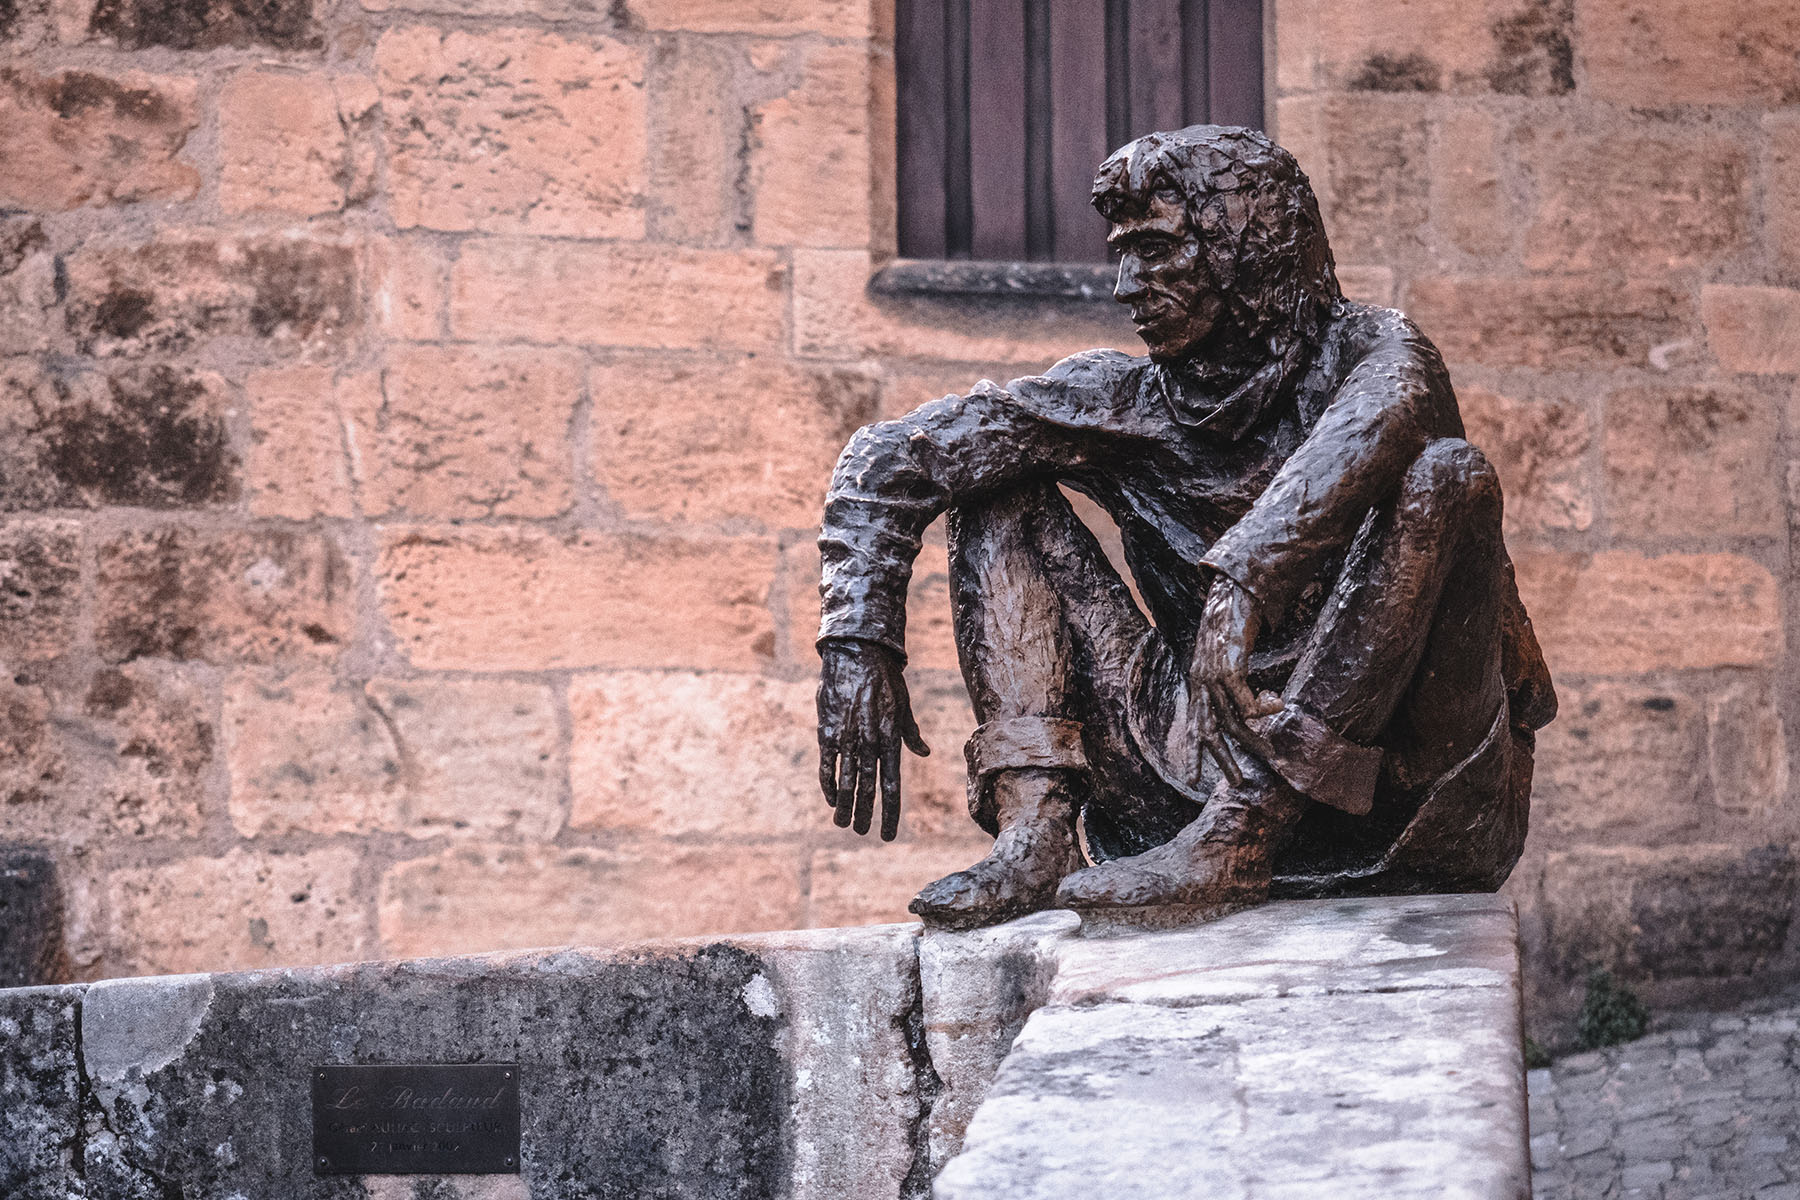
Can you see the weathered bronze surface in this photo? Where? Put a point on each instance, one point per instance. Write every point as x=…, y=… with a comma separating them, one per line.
x=1335, y=689
x=416, y=1119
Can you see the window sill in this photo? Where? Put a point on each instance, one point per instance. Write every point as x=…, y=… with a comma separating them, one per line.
x=924, y=278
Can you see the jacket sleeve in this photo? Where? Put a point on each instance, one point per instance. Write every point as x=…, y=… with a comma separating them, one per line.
x=895, y=477
x=1392, y=403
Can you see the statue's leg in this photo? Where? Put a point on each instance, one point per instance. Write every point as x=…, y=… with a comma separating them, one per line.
x=1410, y=635
x=1019, y=564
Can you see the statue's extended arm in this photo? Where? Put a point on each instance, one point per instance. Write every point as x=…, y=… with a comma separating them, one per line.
x=893, y=480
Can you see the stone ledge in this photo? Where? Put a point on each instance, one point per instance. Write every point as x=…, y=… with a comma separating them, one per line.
x=924, y=278
x=1336, y=1049
x=1331, y=1048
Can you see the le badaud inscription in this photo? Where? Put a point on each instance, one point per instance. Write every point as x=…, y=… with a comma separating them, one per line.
x=416, y=1119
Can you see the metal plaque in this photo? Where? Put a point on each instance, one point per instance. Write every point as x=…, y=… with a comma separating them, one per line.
x=416, y=1119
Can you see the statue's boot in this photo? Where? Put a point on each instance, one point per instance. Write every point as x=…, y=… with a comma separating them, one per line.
x=1219, y=863
x=1035, y=849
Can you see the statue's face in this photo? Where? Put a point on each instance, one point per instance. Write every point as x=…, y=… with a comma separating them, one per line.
x=1164, y=278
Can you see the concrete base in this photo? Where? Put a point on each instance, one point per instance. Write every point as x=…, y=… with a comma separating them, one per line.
x=1330, y=1049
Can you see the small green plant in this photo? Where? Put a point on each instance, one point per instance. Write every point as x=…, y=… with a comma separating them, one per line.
x=1535, y=1055
x=1610, y=1013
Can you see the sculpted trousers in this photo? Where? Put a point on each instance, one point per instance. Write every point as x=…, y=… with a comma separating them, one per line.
x=1404, y=662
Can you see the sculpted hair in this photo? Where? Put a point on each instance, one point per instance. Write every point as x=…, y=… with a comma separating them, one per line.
x=1252, y=208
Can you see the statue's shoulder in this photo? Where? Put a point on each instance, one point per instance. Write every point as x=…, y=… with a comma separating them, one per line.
x=1361, y=330
x=1403, y=367
x=1095, y=387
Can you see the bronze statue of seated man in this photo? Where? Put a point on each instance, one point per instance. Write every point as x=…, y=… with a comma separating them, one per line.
x=1335, y=689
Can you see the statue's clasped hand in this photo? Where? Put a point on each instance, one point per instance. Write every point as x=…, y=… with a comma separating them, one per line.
x=1219, y=678
x=865, y=715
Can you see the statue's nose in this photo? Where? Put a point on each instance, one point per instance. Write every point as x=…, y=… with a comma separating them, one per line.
x=1130, y=286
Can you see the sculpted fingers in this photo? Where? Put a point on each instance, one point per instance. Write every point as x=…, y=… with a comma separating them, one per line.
x=1250, y=703
x=828, y=766
x=866, y=768
x=1213, y=743
x=846, y=787
x=1225, y=709
x=890, y=792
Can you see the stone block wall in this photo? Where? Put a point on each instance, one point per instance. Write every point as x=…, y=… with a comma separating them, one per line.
x=416, y=414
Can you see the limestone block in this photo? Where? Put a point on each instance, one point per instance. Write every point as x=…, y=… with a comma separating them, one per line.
x=464, y=432
x=1549, y=322
x=241, y=910
x=80, y=138
x=706, y=441
x=28, y=296
x=181, y=291
x=148, y=437
x=732, y=1069
x=1539, y=449
x=770, y=18
x=1637, y=199
x=547, y=896
x=284, y=146
x=514, y=131
x=298, y=464
x=1619, y=613
x=1753, y=329
x=1361, y=1048
x=191, y=24
x=1663, y=52
x=1668, y=449
x=979, y=988
x=656, y=297
x=810, y=154
x=40, y=575
x=850, y=1001
x=713, y=753
x=230, y=595
x=526, y=600
x=1365, y=1095
x=40, y=1120
x=872, y=882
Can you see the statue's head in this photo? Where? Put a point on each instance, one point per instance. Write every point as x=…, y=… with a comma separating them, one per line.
x=1220, y=242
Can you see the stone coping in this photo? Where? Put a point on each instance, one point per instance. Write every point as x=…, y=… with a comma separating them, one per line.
x=1316, y=1048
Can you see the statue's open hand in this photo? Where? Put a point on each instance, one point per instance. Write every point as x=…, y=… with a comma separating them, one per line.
x=864, y=716
x=1220, y=676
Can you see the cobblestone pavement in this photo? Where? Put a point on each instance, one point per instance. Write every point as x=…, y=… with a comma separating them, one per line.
x=1709, y=1110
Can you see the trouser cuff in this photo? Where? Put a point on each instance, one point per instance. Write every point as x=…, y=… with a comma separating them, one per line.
x=1042, y=742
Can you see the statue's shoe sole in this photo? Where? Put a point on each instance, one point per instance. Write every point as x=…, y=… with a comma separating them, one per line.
x=961, y=920
x=1108, y=921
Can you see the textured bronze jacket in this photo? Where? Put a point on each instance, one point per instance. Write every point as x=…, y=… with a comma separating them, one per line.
x=1267, y=484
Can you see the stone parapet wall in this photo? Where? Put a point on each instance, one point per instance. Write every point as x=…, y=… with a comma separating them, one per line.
x=838, y=1064
x=416, y=416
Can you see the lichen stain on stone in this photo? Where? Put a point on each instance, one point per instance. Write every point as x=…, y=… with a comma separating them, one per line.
x=122, y=313
x=20, y=238
x=156, y=441
x=153, y=628
x=1535, y=50
x=75, y=92
x=1397, y=73
x=1714, y=918
x=9, y=18
x=207, y=24
x=300, y=288
x=110, y=692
